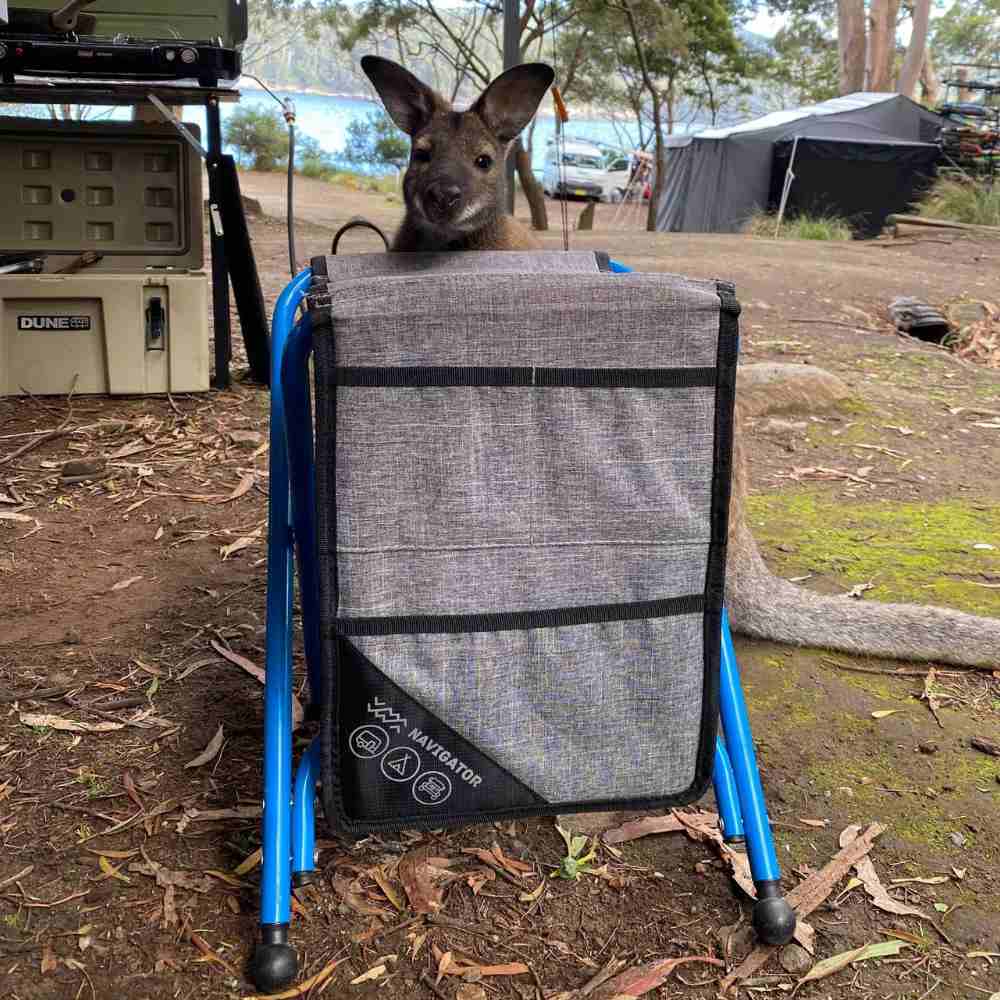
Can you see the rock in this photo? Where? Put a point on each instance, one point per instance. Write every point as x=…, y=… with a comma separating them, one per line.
x=246, y=439
x=772, y=387
x=589, y=824
x=928, y=747
x=795, y=960
x=957, y=839
x=82, y=468
x=470, y=991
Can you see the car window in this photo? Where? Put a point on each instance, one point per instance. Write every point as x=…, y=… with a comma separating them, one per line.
x=618, y=165
x=581, y=160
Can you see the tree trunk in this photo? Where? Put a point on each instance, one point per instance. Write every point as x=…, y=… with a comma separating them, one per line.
x=661, y=164
x=532, y=189
x=909, y=75
x=882, y=44
x=930, y=82
x=851, y=45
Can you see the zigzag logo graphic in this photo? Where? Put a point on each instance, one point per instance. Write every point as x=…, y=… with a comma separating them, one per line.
x=384, y=712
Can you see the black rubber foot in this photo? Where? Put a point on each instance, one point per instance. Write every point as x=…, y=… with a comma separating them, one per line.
x=737, y=841
x=275, y=964
x=773, y=918
x=300, y=879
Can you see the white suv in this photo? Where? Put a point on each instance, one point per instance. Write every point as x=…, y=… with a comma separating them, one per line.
x=583, y=171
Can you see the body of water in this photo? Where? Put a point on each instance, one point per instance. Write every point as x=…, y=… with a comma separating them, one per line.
x=327, y=118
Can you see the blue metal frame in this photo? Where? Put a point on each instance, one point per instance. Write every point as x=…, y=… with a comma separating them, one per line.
x=289, y=812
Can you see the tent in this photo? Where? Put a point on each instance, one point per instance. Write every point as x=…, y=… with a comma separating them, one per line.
x=715, y=180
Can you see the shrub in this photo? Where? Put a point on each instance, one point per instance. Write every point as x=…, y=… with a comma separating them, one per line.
x=963, y=201
x=259, y=137
x=376, y=142
x=800, y=227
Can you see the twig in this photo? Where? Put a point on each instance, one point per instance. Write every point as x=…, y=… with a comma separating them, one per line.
x=39, y=694
x=872, y=670
x=25, y=448
x=438, y=921
x=429, y=983
x=835, y=322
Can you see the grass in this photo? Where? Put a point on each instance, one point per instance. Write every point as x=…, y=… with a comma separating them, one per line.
x=963, y=201
x=802, y=227
x=349, y=179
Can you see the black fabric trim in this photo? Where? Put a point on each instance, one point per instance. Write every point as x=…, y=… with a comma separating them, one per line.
x=567, y=378
x=507, y=621
x=603, y=260
x=715, y=575
x=390, y=806
x=318, y=265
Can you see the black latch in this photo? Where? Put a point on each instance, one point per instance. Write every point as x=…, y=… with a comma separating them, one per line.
x=156, y=324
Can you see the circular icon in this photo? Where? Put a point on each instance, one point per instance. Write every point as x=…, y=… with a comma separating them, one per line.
x=401, y=764
x=432, y=788
x=368, y=741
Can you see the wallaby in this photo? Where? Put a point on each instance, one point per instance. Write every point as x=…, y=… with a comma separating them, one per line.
x=455, y=183
x=454, y=192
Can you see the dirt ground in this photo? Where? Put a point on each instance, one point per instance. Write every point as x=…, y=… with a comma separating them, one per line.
x=127, y=596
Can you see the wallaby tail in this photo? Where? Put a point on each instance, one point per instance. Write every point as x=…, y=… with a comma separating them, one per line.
x=766, y=607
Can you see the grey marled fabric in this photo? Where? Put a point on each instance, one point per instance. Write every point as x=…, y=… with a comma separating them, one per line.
x=616, y=321
x=579, y=714
x=460, y=500
x=479, y=500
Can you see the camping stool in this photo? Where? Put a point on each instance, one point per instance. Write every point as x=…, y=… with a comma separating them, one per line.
x=511, y=538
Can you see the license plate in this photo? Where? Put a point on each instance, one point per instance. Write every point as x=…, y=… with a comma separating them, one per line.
x=580, y=191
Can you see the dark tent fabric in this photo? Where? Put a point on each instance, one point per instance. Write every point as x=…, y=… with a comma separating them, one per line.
x=860, y=182
x=716, y=180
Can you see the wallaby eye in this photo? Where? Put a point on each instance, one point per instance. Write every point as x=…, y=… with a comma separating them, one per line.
x=422, y=155
x=484, y=162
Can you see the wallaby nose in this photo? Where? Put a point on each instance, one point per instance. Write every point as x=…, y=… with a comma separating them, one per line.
x=442, y=198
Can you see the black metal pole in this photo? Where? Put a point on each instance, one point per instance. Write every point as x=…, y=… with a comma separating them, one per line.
x=511, y=57
x=220, y=272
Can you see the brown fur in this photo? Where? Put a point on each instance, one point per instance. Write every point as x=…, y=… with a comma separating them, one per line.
x=759, y=603
x=450, y=150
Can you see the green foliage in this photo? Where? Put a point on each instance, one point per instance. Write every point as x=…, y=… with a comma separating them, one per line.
x=963, y=201
x=801, y=227
x=805, y=62
x=259, y=137
x=376, y=142
x=575, y=863
x=968, y=31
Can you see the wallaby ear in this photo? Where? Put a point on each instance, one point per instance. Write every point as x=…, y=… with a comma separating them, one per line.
x=509, y=102
x=410, y=103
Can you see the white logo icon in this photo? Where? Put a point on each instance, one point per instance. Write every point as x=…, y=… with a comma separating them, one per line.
x=432, y=788
x=401, y=764
x=384, y=712
x=368, y=741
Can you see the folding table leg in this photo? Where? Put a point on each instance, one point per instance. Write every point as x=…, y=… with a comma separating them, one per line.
x=275, y=964
x=727, y=795
x=304, y=817
x=773, y=918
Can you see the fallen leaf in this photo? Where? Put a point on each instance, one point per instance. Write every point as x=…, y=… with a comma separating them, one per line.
x=49, y=961
x=941, y=907
x=641, y=979
x=378, y=874
x=203, y=946
x=531, y=897
x=959, y=873
x=366, y=977
x=444, y=964
x=298, y=713
x=881, y=949
x=110, y=871
x=210, y=752
x=983, y=954
x=244, y=487
x=412, y=872
x=644, y=827
x=818, y=823
x=927, y=880
x=122, y=584
x=884, y=713
x=68, y=725
x=928, y=695
x=877, y=892
x=859, y=588
x=241, y=543
x=356, y=901
x=9, y=515
x=249, y=863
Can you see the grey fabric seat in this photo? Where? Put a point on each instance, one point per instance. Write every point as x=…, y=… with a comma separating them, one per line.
x=522, y=488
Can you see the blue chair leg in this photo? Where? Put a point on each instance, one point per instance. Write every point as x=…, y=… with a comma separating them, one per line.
x=727, y=796
x=773, y=918
x=304, y=817
x=275, y=964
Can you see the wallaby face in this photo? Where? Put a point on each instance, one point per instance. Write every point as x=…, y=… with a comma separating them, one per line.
x=454, y=185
